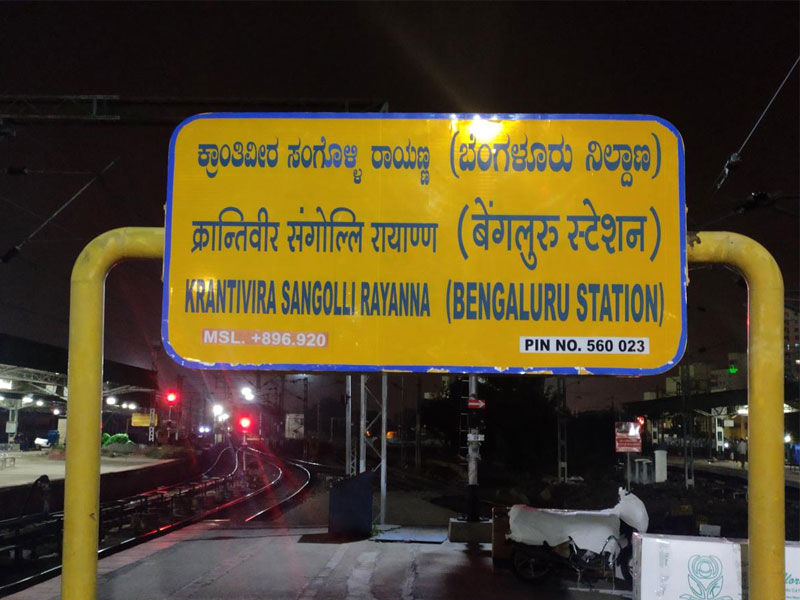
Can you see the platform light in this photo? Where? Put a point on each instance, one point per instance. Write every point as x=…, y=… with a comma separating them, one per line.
x=217, y=410
x=741, y=411
x=27, y=400
x=39, y=403
x=6, y=384
x=132, y=405
x=224, y=417
x=111, y=401
x=125, y=405
x=56, y=411
x=247, y=393
x=787, y=439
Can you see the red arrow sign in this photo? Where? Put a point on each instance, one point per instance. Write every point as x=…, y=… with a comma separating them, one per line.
x=476, y=403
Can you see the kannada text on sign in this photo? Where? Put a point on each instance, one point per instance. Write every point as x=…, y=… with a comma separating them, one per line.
x=426, y=242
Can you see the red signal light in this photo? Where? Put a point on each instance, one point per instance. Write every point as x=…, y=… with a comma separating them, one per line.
x=172, y=397
x=245, y=422
x=640, y=420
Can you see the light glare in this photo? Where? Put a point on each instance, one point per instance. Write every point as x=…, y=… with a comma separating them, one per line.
x=485, y=130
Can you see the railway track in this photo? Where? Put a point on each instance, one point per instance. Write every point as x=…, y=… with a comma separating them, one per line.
x=291, y=482
x=243, y=484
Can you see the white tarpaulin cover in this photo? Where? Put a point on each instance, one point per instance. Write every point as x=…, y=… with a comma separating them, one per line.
x=588, y=529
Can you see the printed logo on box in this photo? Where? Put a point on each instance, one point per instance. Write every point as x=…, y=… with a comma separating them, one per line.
x=705, y=578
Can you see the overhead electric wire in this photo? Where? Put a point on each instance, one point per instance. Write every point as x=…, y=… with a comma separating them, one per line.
x=25, y=209
x=14, y=250
x=735, y=158
x=756, y=200
x=68, y=202
x=27, y=171
x=775, y=95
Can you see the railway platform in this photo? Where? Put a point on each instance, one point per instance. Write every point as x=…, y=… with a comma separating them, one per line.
x=731, y=468
x=212, y=560
x=29, y=465
x=289, y=555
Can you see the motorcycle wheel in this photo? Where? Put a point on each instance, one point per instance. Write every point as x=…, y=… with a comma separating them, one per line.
x=529, y=566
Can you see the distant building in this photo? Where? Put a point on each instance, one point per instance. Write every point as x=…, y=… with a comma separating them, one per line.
x=791, y=339
x=718, y=397
x=702, y=378
x=733, y=377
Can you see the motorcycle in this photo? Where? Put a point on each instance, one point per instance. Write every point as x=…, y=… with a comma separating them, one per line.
x=593, y=544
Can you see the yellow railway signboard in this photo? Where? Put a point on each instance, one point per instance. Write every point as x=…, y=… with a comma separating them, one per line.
x=143, y=420
x=426, y=242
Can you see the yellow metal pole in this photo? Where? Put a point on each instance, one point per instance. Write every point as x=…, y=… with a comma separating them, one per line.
x=85, y=384
x=765, y=399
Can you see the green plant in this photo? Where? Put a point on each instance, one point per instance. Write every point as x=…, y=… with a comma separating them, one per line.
x=117, y=438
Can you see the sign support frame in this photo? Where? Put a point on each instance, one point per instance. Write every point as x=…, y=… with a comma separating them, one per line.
x=765, y=397
x=85, y=384
x=766, y=477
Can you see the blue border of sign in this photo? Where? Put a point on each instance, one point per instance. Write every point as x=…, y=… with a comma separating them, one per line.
x=431, y=368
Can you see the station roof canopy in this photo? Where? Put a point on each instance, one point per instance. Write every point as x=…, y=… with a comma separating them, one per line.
x=28, y=367
x=705, y=401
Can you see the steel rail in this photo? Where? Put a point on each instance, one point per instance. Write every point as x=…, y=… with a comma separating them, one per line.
x=167, y=528
x=291, y=497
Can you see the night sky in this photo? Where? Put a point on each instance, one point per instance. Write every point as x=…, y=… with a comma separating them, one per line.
x=708, y=68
